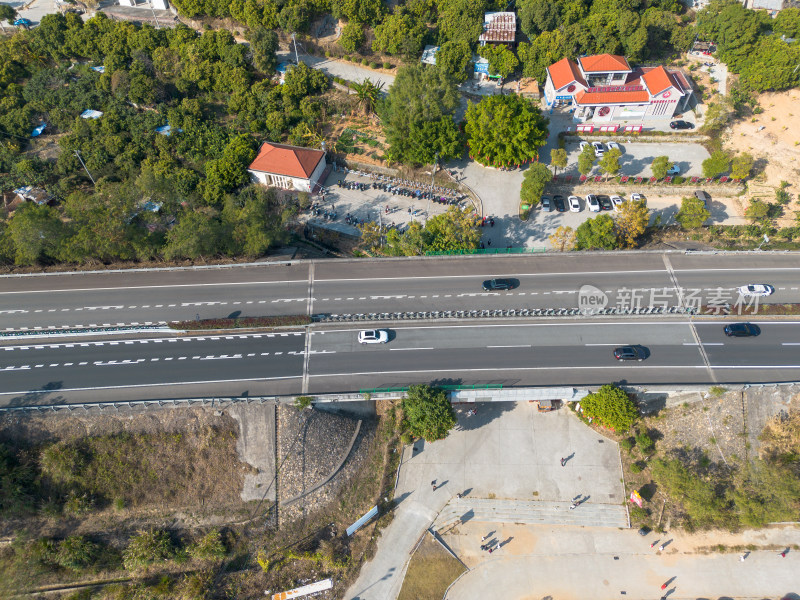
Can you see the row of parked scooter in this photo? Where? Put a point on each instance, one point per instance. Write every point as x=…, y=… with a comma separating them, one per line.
x=325, y=213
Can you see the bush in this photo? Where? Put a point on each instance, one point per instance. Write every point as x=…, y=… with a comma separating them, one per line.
x=364, y=61
x=406, y=438
x=327, y=54
x=373, y=65
x=282, y=321
x=302, y=402
x=76, y=553
x=626, y=444
x=645, y=442
x=610, y=407
x=716, y=391
x=637, y=467
x=429, y=412
x=387, y=65
x=348, y=58
x=678, y=180
x=147, y=548
x=638, y=514
x=209, y=547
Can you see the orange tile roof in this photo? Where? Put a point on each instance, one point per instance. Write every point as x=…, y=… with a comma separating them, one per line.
x=292, y=161
x=564, y=72
x=604, y=63
x=657, y=80
x=595, y=98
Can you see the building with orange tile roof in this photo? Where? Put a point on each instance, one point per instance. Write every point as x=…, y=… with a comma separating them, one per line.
x=288, y=167
x=605, y=88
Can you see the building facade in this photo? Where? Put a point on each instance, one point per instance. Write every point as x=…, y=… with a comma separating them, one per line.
x=288, y=167
x=605, y=88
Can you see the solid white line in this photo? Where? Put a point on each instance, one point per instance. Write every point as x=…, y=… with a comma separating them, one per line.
x=399, y=349
x=504, y=368
x=604, y=344
x=149, y=287
x=516, y=346
x=790, y=344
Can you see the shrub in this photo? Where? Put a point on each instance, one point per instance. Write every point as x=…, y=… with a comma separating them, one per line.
x=406, y=438
x=644, y=441
x=716, y=391
x=429, y=412
x=209, y=547
x=148, y=547
x=348, y=58
x=373, y=65
x=678, y=180
x=364, y=61
x=327, y=54
x=76, y=553
x=611, y=407
x=626, y=444
x=638, y=514
x=637, y=467
x=387, y=65
x=302, y=402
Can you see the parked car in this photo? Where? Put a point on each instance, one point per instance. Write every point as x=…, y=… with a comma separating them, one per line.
x=583, y=145
x=373, y=336
x=599, y=149
x=605, y=202
x=630, y=353
x=674, y=170
x=547, y=205
x=592, y=203
x=574, y=204
x=742, y=330
x=701, y=195
x=560, y=204
x=681, y=125
x=616, y=202
x=756, y=289
x=613, y=146
x=637, y=197
x=493, y=285
x=23, y=22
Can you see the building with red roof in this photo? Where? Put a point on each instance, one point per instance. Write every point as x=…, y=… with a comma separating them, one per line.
x=288, y=167
x=605, y=87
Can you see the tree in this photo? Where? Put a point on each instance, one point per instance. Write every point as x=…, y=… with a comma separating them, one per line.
x=505, y=130
x=758, y=211
x=460, y=20
x=429, y=412
x=741, y=165
x=196, y=234
x=734, y=28
x=693, y=213
x=502, y=61
x=453, y=58
x=537, y=176
x=660, y=166
x=558, y=159
x=609, y=164
x=417, y=116
x=400, y=34
x=7, y=13
x=718, y=163
x=563, y=239
x=537, y=16
x=787, y=22
x=541, y=52
x=367, y=94
x=352, y=37
x=303, y=81
x=632, y=222
x=610, y=407
x=363, y=11
x=596, y=234
x=36, y=233
x=586, y=160
x=263, y=46
x=771, y=66
x=457, y=229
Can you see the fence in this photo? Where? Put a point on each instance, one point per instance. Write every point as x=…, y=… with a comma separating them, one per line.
x=486, y=251
x=447, y=388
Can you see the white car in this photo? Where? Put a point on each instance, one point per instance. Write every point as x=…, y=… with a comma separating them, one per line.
x=592, y=203
x=583, y=145
x=599, y=149
x=574, y=204
x=756, y=289
x=373, y=336
x=616, y=201
x=636, y=197
x=613, y=146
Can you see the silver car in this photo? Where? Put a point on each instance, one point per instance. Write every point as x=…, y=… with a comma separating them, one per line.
x=373, y=336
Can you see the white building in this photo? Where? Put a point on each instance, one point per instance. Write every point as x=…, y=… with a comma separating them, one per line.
x=288, y=167
x=605, y=88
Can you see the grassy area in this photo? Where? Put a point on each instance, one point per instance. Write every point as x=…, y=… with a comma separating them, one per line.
x=242, y=323
x=431, y=570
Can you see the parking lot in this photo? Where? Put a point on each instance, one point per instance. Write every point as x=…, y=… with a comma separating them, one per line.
x=637, y=158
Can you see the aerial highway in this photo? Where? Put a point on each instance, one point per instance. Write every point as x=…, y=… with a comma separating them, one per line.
x=563, y=353
x=103, y=299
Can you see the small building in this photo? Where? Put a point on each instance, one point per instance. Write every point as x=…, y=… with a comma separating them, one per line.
x=288, y=167
x=33, y=194
x=528, y=87
x=606, y=88
x=429, y=55
x=499, y=28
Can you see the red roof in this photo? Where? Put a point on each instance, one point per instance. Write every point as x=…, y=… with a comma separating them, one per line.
x=564, y=72
x=292, y=161
x=657, y=80
x=622, y=97
x=604, y=63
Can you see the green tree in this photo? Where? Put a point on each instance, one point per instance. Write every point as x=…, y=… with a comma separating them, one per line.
x=765, y=493
x=537, y=176
x=610, y=407
x=303, y=81
x=558, y=159
x=741, y=165
x=460, y=20
x=36, y=234
x=417, y=116
x=609, y=164
x=734, y=28
x=758, y=211
x=632, y=222
x=457, y=229
x=693, y=213
x=263, y=46
x=146, y=548
x=502, y=61
x=596, y=234
x=537, y=16
x=209, y=547
x=787, y=23
x=453, y=58
x=505, y=130
x=7, y=13
x=771, y=66
x=76, y=553
x=586, y=160
x=660, y=166
x=429, y=412
x=718, y=163
x=541, y=52
x=400, y=34
x=363, y=11
x=352, y=37
x=196, y=234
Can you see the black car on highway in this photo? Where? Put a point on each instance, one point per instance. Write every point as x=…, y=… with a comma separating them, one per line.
x=605, y=203
x=493, y=285
x=630, y=353
x=681, y=125
x=561, y=206
x=742, y=330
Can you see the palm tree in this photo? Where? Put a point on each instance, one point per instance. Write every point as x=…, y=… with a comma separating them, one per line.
x=367, y=93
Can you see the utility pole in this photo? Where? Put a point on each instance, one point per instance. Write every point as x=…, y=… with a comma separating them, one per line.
x=78, y=154
x=433, y=179
x=296, y=59
x=154, y=14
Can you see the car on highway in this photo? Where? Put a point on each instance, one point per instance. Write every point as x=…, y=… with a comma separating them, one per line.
x=742, y=330
x=605, y=202
x=630, y=353
x=613, y=146
x=494, y=285
x=560, y=204
x=574, y=204
x=756, y=289
x=681, y=125
x=592, y=203
x=616, y=201
x=599, y=149
x=373, y=336
x=546, y=204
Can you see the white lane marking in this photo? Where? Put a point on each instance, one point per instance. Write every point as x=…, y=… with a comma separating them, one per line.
x=154, y=287
x=790, y=344
x=620, y=366
x=514, y=346
x=606, y=344
x=703, y=343
x=400, y=349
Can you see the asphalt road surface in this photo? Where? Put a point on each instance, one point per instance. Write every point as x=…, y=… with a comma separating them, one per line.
x=576, y=352
x=375, y=286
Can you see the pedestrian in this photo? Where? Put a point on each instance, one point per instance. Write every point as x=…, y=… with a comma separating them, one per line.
x=660, y=548
x=742, y=557
x=783, y=554
x=483, y=538
x=488, y=242
x=663, y=586
x=563, y=461
x=491, y=550
x=458, y=496
x=653, y=544
x=572, y=506
x=434, y=488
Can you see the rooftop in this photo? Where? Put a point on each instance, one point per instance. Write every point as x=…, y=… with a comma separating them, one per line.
x=282, y=159
x=604, y=63
x=565, y=72
x=499, y=27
